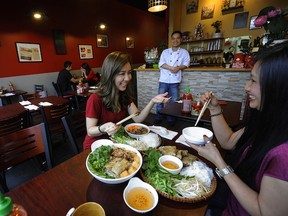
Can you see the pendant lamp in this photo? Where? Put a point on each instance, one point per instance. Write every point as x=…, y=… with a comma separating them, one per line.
x=157, y=5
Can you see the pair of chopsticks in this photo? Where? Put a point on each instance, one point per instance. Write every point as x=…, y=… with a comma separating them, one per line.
x=203, y=110
x=128, y=117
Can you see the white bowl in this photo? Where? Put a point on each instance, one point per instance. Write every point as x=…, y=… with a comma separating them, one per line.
x=116, y=180
x=135, y=184
x=194, y=135
x=171, y=161
x=133, y=135
x=100, y=142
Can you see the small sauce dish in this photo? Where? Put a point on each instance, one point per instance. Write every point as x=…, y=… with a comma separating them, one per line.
x=140, y=196
x=171, y=163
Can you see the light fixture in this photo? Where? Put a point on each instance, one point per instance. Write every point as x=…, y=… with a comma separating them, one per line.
x=37, y=15
x=102, y=26
x=157, y=5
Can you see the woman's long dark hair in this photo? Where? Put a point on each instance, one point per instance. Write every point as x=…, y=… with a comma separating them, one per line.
x=268, y=127
x=112, y=65
x=86, y=67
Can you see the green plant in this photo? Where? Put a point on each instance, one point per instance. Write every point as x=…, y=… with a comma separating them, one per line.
x=217, y=25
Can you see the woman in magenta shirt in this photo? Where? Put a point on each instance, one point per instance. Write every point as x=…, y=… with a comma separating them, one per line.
x=113, y=100
x=259, y=150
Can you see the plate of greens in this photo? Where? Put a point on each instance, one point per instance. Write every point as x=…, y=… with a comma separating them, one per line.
x=195, y=182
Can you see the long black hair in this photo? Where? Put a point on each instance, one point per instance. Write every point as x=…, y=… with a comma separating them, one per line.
x=268, y=127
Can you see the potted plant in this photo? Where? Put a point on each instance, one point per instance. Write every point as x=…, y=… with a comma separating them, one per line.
x=217, y=25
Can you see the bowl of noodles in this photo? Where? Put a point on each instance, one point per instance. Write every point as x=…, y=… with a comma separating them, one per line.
x=137, y=130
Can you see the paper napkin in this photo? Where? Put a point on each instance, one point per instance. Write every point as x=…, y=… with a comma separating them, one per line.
x=182, y=140
x=24, y=103
x=170, y=135
x=31, y=107
x=9, y=94
x=45, y=104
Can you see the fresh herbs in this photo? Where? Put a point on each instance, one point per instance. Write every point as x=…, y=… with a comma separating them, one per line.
x=98, y=159
x=121, y=136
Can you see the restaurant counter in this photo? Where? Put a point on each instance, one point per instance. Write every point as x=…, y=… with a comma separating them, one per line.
x=225, y=83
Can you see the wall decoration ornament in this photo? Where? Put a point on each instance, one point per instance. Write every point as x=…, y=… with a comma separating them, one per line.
x=28, y=52
x=59, y=41
x=102, y=40
x=240, y=20
x=85, y=51
x=232, y=6
x=129, y=42
x=191, y=6
x=207, y=12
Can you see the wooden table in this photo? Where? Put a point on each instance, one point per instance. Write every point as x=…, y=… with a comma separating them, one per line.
x=69, y=185
x=231, y=112
x=16, y=108
x=8, y=98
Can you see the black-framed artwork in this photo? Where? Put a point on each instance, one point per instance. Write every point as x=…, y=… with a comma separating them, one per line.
x=102, y=40
x=59, y=41
x=240, y=20
x=251, y=25
x=85, y=51
x=130, y=42
x=28, y=52
x=191, y=6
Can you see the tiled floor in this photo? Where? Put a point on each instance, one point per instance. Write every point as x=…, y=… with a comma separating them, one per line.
x=62, y=151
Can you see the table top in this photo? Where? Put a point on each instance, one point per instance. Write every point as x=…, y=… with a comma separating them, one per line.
x=70, y=184
x=14, y=93
x=16, y=108
x=231, y=112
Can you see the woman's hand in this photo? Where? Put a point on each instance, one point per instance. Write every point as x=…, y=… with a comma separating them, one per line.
x=110, y=128
x=208, y=151
x=161, y=98
x=214, y=103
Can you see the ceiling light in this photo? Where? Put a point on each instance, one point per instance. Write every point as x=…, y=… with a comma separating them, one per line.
x=102, y=26
x=157, y=5
x=37, y=15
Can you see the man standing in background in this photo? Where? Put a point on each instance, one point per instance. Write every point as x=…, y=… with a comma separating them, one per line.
x=172, y=61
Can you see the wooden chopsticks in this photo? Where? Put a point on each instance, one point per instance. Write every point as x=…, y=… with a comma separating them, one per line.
x=128, y=117
x=203, y=110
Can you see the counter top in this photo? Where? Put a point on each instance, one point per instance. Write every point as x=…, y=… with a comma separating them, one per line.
x=209, y=69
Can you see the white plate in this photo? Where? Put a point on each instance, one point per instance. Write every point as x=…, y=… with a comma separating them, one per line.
x=100, y=142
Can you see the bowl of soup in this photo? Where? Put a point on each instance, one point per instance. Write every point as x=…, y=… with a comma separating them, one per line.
x=171, y=163
x=140, y=196
x=136, y=130
x=194, y=135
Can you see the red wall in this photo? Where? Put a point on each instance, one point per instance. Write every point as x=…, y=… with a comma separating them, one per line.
x=78, y=19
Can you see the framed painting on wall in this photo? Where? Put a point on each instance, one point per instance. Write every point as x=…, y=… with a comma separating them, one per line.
x=240, y=20
x=102, y=40
x=85, y=51
x=207, y=12
x=191, y=6
x=129, y=42
x=28, y=52
x=59, y=41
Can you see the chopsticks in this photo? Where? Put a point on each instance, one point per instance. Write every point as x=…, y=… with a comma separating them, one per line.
x=203, y=110
x=127, y=118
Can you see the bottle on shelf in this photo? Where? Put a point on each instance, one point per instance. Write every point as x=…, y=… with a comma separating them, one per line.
x=8, y=208
x=187, y=102
x=11, y=86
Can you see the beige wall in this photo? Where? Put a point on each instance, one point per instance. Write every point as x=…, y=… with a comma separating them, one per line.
x=187, y=22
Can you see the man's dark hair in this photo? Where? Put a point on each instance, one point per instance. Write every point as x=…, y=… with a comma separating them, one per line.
x=67, y=64
x=177, y=32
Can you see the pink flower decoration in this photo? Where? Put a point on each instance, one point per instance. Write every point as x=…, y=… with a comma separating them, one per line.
x=260, y=21
x=274, y=13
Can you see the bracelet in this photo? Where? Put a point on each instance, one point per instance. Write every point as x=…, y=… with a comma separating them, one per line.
x=102, y=132
x=217, y=114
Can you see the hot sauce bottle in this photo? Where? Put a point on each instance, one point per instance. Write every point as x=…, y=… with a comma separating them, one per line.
x=187, y=102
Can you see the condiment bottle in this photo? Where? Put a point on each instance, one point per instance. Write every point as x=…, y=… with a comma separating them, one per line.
x=7, y=208
x=187, y=102
x=11, y=87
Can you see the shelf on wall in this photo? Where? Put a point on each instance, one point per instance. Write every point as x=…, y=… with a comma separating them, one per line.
x=233, y=10
x=206, y=52
x=206, y=39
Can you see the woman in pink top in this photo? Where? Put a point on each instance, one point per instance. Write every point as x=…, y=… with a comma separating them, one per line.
x=259, y=150
x=113, y=100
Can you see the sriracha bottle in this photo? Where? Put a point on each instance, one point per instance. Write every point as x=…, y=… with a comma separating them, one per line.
x=187, y=102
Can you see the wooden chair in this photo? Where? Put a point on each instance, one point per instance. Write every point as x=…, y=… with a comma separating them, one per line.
x=19, y=146
x=73, y=98
x=75, y=126
x=52, y=118
x=38, y=88
x=14, y=123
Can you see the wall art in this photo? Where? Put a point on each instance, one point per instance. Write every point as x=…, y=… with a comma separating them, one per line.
x=102, y=40
x=191, y=6
x=85, y=51
x=28, y=52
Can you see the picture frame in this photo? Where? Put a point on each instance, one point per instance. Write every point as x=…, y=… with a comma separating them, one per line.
x=85, y=51
x=129, y=42
x=102, y=40
x=28, y=52
x=207, y=12
x=251, y=25
x=59, y=41
x=192, y=6
x=240, y=20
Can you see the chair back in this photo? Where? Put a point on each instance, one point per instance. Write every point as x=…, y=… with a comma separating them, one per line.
x=57, y=89
x=14, y=123
x=38, y=88
x=75, y=126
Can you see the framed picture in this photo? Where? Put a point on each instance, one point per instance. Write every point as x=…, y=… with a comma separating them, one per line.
x=28, y=52
x=240, y=20
x=129, y=42
x=102, y=40
x=207, y=12
x=232, y=3
x=191, y=6
x=59, y=41
x=85, y=51
x=251, y=25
